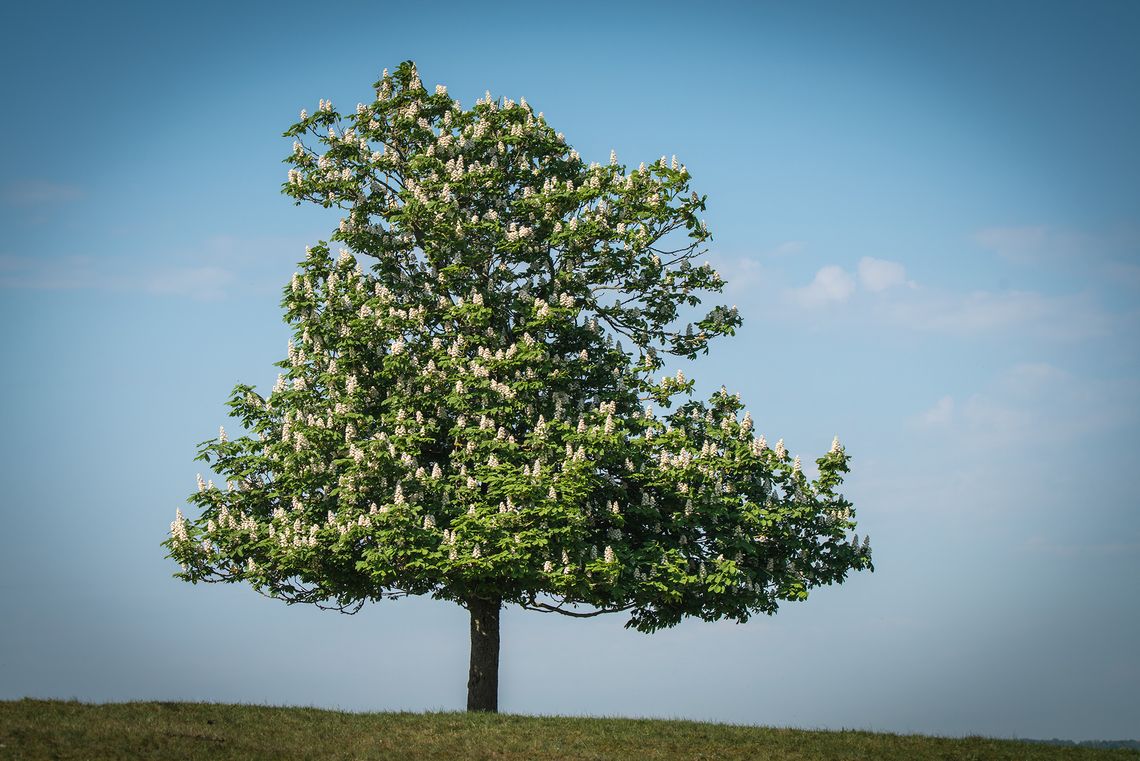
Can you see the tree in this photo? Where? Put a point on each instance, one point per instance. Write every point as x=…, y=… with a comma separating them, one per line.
x=463, y=421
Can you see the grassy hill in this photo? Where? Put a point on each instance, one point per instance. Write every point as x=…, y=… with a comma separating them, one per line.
x=39, y=729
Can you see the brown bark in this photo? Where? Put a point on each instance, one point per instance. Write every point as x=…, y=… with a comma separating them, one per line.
x=483, y=677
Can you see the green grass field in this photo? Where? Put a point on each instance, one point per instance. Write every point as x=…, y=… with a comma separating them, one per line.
x=38, y=729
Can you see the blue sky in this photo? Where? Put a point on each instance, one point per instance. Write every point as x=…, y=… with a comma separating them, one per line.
x=929, y=217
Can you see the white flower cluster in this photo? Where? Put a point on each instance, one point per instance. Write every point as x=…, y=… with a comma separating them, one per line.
x=178, y=527
x=516, y=232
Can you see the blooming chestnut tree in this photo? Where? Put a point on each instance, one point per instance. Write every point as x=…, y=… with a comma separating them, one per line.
x=477, y=417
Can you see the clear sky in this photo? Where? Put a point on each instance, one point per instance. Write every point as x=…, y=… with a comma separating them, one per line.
x=928, y=215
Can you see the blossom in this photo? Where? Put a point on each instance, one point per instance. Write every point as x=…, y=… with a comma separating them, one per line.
x=178, y=527
x=779, y=449
x=221, y=434
x=835, y=445
x=201, y=486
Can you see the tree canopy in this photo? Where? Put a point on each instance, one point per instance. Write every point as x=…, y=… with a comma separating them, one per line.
x=477, y=415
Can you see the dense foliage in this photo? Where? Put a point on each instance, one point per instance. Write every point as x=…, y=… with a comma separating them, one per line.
x=474, y=416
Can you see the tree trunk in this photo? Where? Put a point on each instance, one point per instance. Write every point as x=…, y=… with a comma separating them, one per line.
x=483, y=678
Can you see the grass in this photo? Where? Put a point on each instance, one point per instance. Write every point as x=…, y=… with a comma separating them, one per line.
x=42, y=729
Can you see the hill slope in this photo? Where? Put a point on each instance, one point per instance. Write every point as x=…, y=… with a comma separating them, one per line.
x=38, y=729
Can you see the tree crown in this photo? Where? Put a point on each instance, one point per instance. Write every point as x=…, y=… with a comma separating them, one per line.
x=463, y=419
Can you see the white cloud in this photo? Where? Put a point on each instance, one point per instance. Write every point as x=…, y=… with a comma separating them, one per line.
x=787, y=248
x=79, y=273
x=37, y=192
x=1033, y=404
x=203, y=283
x=1105, y=258
x=880, y=274
x=940, y=414
x=1064, y=317
x=207, y=269
x=1014, y=243
x=831, y=285
x=742, y=274
x=1041, y=544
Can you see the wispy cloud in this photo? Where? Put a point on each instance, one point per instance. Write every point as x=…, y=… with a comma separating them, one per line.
x=1030, y=403
x=1062, y=317
x=37, y=193
x=209, y=269
x=742, y=274
x=1041, y=544
x=1106, y=258
x=1019, y=244
x=202, y=283
x=942, y=413
x=787, y=248
x=893, y=299
x=80, y=273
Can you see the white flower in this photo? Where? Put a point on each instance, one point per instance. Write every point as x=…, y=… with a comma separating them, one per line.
x=441, y=90
x=746, y=423
x=201, y=487
x=609, y=554
x=779, y=449
x=178, y=527
x=221, y=434
x=796, y=465
x=835, y=445
x=398, y=497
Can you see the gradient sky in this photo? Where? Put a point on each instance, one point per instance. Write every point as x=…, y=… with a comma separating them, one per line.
x=928, y=215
